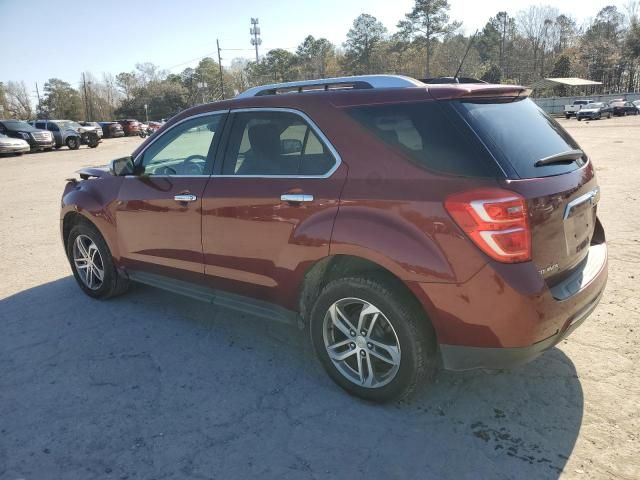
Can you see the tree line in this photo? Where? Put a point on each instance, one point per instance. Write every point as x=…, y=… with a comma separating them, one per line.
x=535, y=43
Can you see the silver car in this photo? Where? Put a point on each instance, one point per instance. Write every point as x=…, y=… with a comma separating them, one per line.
x=13, y=145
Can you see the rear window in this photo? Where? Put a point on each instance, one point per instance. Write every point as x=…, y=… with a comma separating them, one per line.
x=519, y=134
x=431, y=135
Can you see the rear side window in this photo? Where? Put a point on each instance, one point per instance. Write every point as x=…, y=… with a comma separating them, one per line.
x=519, y=133
x=275, y=143
x=431, y=135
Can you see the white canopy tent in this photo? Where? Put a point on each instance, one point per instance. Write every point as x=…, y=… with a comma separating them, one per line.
x=568, y=82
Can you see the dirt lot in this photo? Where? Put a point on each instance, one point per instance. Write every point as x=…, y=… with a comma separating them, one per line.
x=154, y=386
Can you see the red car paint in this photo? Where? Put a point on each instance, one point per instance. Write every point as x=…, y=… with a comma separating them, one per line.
x=376, y=206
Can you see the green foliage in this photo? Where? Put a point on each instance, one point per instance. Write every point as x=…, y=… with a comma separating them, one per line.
x=61, y=101
x=427, y=22
x=493, y=74
x=363, y=39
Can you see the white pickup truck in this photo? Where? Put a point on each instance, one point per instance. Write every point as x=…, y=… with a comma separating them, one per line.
x=571, y=110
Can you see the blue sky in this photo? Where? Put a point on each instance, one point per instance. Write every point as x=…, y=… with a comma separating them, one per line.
x=63, y=38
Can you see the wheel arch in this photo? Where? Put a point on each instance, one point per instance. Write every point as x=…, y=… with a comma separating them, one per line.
x=339, y=266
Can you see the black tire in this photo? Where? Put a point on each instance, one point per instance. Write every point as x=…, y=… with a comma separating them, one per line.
x=415, y=335
x=113, y=283
x=73, y=143
x=58, y=147
x=579, y=119
x=567, y=117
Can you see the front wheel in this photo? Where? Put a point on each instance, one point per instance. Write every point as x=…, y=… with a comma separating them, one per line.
x=567, y=116
x=579, y=119
x=372, y=338
x=73, y=143
x=92, y=264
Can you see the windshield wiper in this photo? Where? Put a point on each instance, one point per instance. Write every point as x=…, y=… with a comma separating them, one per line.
x=562, y=157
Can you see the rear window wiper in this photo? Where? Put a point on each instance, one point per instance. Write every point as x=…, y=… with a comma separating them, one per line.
x=562, y=157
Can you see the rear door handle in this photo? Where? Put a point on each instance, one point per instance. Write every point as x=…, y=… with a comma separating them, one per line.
x=296, y=197
x=185, y=198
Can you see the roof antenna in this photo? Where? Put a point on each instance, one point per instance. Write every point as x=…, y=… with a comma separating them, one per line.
x=473, y=37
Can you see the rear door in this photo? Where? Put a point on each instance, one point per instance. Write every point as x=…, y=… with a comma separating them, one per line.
x=159, y=211
x=269, y=211
x=545, y=165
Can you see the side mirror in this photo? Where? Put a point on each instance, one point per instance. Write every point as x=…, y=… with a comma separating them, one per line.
x=122, y=166
x=290, y=145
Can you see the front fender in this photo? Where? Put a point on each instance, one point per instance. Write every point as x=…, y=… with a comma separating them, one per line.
x=93, y=200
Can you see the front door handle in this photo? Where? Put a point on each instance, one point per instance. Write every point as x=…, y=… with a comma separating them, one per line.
x=296, y=197
x=185, y=198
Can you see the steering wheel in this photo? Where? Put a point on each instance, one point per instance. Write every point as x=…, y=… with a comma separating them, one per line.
x=191, y=168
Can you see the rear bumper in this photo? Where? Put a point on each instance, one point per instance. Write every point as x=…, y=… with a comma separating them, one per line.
x=456, y=357
x=507, y=315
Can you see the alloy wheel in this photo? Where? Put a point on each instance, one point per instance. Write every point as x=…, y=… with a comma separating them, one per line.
x=361, y=342
x=88, y=262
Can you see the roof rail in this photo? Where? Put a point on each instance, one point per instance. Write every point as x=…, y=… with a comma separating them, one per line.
x=355, y=82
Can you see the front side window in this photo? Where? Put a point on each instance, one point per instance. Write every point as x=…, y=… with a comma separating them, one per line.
x=186, y=149
x=275, y=143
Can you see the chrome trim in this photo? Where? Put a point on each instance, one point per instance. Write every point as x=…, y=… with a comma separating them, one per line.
x=155, y=138
x=185, y=198
x=296, y=197
x=375, y=81
x=314, y=127
x=592, y=197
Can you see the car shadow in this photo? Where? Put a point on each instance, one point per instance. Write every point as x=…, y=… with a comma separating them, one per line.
x=152, y=384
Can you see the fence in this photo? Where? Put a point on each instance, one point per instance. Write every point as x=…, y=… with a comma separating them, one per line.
x=555, y=105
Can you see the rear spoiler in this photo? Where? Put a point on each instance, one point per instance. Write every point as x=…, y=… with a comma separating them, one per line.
x=479, y=91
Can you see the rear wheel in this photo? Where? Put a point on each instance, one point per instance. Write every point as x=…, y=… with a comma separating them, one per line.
x=92, y=264
x=372, y=338
x=73, y=143
x=567, y=117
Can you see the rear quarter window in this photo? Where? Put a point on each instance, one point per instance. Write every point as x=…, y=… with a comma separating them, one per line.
x=430, y=135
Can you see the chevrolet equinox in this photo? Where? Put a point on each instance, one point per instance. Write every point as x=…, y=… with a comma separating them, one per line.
x=405, y=225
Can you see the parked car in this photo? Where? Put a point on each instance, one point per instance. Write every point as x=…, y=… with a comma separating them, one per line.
x=36, y=138
x=595, y=111
x=622, y=108
x=112, y=129
x=152, y=127
x=574, y=108
x=15, y=146
x=403, y=224
x=95, y=125
x=69, y=133
x=131, y=127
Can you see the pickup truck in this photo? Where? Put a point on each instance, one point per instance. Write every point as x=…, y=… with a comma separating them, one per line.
x=571, y=110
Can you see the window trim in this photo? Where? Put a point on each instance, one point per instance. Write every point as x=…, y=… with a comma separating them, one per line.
x=321, y=136
x=186, y=119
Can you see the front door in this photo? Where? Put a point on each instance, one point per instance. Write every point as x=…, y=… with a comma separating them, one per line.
x=268, y=215
x=159, y=211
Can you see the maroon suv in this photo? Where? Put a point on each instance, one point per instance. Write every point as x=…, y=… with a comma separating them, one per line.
x=404, y=224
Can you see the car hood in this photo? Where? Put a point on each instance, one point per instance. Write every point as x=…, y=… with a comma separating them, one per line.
x=589, y=110
x=96, y=172
x=14, y=142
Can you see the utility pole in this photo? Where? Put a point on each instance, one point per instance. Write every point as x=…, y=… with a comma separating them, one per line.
x=90, y=102
x=39, y=109
x=86, y=103
x=256, y=40
x=220, y=66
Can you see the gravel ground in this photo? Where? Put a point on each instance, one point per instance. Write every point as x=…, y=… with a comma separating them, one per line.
x=154, y=386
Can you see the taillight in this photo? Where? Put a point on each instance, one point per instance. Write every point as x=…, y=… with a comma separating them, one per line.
x=495, y=220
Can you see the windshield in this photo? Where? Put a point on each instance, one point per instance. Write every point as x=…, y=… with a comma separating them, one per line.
x=74, y=125
x=17, y=125
x=519, y=133
x=594, y=105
